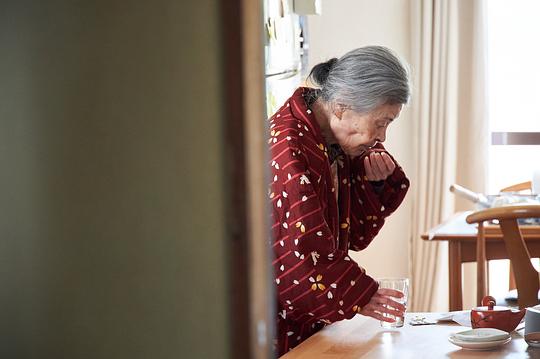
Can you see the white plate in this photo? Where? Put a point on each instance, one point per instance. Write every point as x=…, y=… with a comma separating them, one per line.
x=481, y=335
x=478, y=345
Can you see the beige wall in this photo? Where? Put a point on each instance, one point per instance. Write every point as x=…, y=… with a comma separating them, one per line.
x=111, y=202
x=347, y=24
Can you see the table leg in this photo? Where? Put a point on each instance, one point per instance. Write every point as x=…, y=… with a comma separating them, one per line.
x=454, y=278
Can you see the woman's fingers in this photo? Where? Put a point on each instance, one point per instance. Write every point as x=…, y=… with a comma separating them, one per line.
x=390, y=165
x=382, y=305
x=389, y=292
x=390, y=306
x=381, y=312
x=378, y=166
x=373, y=171
x=385, y=296
x=369, y=170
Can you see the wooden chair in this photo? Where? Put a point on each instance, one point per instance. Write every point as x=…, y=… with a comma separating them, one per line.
x=520, y=188
x=523, y=186
x=527, y=278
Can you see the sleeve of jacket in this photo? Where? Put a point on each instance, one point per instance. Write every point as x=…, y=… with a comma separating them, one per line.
x=370, y=208
x=314, y=278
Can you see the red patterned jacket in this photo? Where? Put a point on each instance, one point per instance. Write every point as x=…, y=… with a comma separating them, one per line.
x=317, y=283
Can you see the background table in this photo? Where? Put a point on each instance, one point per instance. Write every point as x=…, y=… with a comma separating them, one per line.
x=362, y=337
x=461, y=238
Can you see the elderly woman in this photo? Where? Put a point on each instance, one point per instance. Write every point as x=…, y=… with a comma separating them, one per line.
x=333, y=185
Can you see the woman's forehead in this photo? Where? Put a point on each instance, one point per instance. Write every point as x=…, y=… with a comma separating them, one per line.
x=389, y=111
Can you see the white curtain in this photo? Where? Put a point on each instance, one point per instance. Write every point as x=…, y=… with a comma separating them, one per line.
x=449, y=116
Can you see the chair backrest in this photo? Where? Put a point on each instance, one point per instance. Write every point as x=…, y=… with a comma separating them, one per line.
x=523, y=186
x=527, y=278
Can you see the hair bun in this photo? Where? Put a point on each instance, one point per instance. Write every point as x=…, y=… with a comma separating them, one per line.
x=331, y=63
x=319, y=73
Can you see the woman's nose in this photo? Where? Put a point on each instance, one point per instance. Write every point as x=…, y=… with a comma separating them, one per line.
x=381, y=135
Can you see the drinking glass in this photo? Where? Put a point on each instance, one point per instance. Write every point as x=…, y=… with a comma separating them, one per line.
x=401, y=284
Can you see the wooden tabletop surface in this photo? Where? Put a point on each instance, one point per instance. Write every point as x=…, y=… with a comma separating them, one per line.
x=362, y=337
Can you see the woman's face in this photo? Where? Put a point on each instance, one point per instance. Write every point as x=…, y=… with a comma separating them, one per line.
x=357, y=132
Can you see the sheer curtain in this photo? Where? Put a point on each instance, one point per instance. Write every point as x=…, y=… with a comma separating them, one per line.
x=451, y=132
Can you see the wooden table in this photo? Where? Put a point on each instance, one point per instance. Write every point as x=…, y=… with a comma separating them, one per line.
x=362, y=337
x=461, y=238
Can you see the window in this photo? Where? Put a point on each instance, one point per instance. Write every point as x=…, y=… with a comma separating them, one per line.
x=513, y=87
x=513, y=82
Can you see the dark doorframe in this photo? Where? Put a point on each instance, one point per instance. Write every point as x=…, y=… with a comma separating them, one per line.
x=251, y=304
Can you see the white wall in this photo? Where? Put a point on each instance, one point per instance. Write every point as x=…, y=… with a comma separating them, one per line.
x=343, y=26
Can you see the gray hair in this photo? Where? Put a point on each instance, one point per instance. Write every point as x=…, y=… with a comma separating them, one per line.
x=363, y=79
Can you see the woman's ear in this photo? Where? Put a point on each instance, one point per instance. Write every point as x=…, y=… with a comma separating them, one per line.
x=339, y=109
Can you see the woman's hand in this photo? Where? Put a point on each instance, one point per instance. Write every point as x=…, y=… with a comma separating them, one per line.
x=382, y=303
x=379, y=166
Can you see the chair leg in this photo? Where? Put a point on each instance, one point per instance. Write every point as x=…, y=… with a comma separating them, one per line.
x=481, y=289
x=511, y=279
